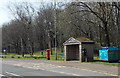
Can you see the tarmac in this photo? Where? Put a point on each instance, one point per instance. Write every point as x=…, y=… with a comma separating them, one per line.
x=100, y=68
x=113, y=70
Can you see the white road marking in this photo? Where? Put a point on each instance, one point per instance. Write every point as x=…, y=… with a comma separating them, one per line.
x=17, y=64
x=29, y=67
x=63, y=73
x=12, y=74
x=1, y=75
x=35, y=68
x=75, y=74
x=105, y=73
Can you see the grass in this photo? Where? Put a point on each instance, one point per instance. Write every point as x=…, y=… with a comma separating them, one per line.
x=20, y=57
x=36, y=56
x=107, y=63
x=96, y=58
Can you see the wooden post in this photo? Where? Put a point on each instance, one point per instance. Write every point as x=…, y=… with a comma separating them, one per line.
x=65, y=59
x=80, y=52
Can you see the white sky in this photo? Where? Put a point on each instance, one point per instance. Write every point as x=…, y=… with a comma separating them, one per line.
x=6, y=16
x=4, y=13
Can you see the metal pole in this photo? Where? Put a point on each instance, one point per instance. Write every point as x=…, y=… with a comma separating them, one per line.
x=55, y=28
x=22, y=48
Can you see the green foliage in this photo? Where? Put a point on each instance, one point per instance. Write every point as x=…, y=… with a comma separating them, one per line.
x=12, y=56
x=19, y=57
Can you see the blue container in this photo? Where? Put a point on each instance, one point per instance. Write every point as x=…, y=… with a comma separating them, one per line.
x=109, y=54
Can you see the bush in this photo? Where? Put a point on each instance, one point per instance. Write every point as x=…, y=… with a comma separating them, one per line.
x=12, y=56
x=2, y=56
x=18, y=56
x=35, y=57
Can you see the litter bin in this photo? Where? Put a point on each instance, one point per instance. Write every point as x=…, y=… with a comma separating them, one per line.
x=109, y=54
x=62, y=55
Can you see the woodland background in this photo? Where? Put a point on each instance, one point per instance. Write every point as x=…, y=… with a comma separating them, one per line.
x=51, y=24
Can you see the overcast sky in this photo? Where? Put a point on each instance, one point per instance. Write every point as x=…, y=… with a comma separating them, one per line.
x=4, y=13
x=6, y=16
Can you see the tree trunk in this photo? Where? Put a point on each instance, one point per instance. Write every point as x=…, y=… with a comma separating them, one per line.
x=22, y=47
x=107, y=39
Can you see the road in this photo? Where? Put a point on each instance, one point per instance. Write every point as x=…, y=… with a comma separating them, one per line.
x=11, y=70
x=22, y=68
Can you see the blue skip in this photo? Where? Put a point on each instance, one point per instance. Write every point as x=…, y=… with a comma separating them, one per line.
x=109, y=54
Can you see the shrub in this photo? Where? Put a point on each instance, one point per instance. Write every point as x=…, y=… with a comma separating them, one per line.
x=12, y=56
x=18, y=56
x=35, y=57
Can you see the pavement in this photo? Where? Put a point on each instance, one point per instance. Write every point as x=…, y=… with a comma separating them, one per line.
x=59, y=68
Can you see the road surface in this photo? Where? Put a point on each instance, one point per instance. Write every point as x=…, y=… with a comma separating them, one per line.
x=22, y=68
